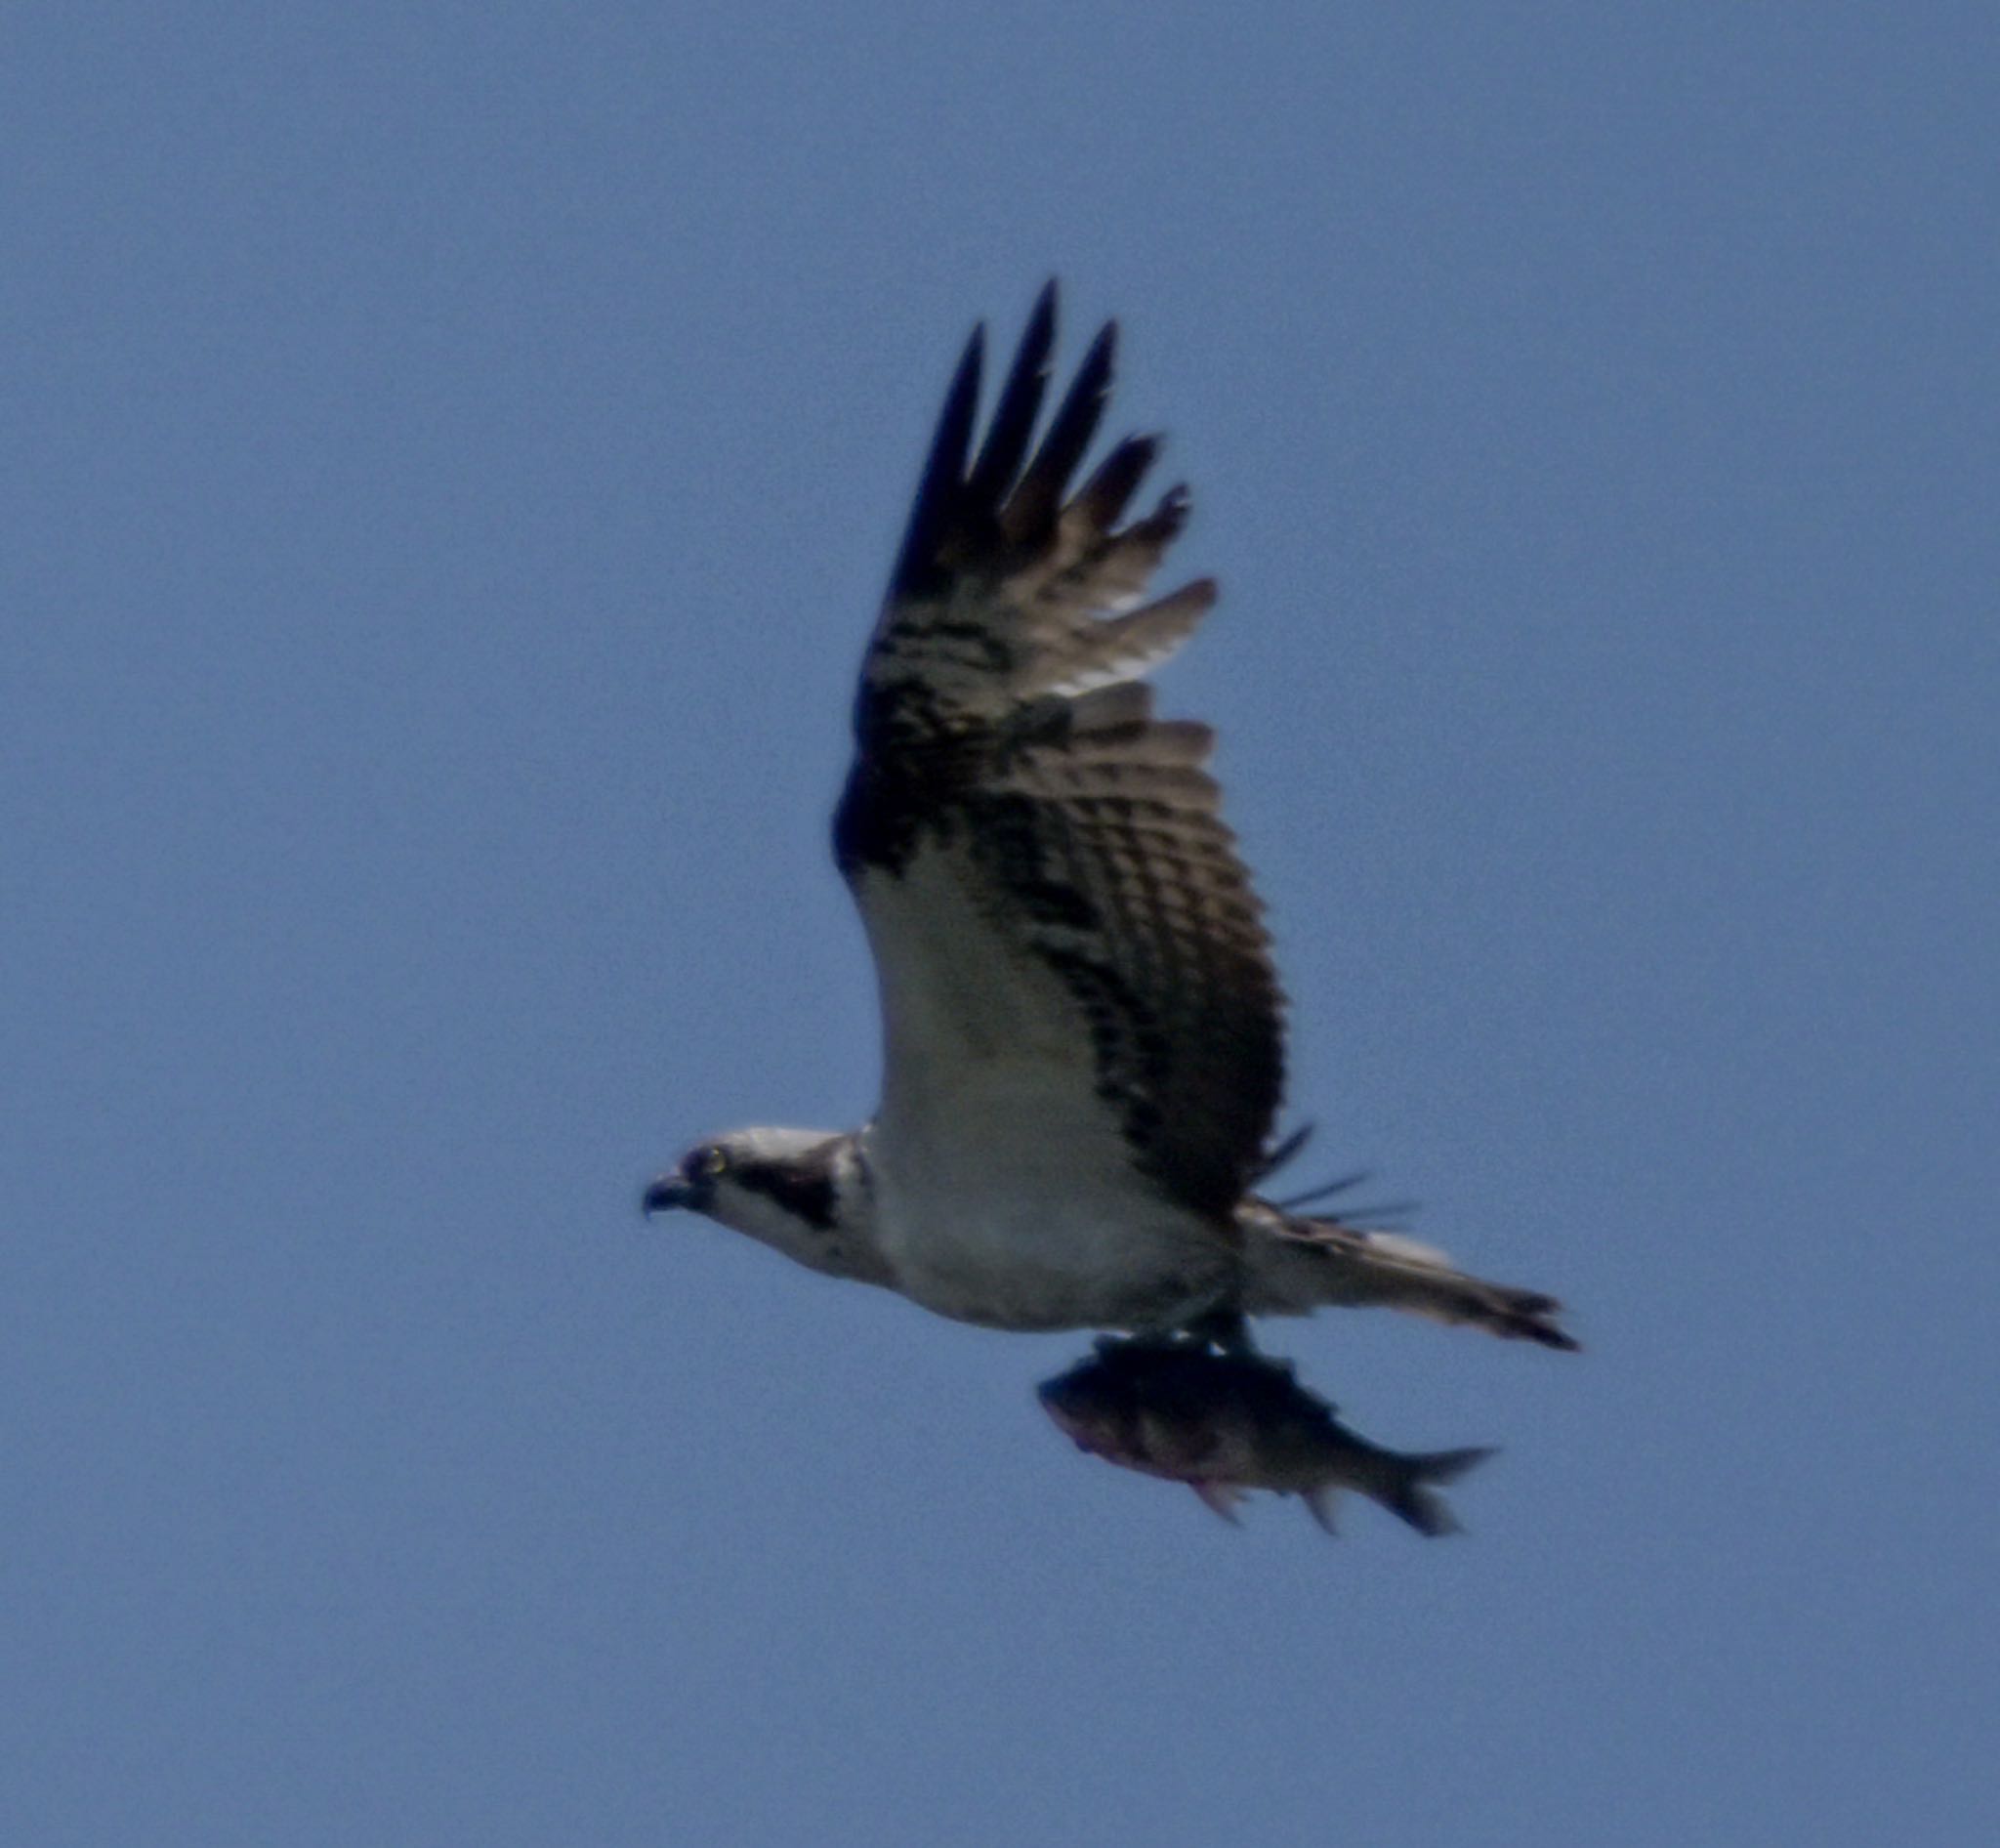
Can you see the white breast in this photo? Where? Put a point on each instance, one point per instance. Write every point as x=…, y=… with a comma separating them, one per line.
x=999, y=1201
x=1004, y=1189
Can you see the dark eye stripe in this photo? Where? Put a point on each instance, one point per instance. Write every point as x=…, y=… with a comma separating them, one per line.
x=803, y=1188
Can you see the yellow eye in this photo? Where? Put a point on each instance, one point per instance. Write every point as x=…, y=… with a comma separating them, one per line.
x=709, y=1164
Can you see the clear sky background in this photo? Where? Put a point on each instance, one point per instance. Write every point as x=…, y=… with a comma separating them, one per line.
x=452, y=454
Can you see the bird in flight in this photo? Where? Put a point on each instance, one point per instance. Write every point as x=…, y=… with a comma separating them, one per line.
x=1082, y=1028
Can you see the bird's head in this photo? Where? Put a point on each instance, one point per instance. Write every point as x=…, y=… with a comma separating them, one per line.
x=784, y=1187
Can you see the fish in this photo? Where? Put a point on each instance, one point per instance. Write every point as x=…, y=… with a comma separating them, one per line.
x=1227, y=1423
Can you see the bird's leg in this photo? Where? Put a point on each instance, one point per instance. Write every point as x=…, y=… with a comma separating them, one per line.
x=1227, y=1329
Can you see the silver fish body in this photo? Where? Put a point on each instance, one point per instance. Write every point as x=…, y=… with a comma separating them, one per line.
x=1229, y=1423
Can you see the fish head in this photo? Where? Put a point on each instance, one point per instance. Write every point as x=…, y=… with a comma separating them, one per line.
x=1091, y=1408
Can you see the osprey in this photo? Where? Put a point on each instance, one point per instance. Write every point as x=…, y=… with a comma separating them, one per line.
x=1082, y=1029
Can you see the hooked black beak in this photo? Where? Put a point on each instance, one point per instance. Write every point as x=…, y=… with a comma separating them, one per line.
x=666, y=1194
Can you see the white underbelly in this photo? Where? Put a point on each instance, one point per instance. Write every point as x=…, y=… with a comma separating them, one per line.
x=1004, y=1189
x=998, y=1249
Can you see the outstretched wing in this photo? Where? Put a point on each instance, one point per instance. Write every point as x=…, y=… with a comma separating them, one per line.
x=1062, y=927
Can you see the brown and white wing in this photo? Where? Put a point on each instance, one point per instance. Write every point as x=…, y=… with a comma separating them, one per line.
x=1062, y=931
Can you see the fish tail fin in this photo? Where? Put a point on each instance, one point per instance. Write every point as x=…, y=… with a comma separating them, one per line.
x=1408, y=1494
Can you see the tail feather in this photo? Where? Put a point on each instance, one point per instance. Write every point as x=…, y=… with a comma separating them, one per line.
x=1302, y=1263
x=1410, y=1498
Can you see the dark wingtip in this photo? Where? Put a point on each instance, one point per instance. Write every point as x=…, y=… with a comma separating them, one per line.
x=942, y=484
x=1013, y=425
x=1029, y=514
x=1104, y=497
x=1099, y=360
x=962, y=399
x=1047, y=301
x=1533, y=1319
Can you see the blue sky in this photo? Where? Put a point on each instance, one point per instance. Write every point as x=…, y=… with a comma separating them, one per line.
x=452, y=457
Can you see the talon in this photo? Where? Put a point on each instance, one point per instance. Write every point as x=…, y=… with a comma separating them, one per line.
x=1226, y=1330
